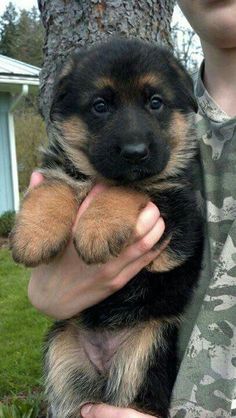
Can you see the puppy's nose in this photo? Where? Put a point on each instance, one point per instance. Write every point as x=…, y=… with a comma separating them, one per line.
x=135, y=152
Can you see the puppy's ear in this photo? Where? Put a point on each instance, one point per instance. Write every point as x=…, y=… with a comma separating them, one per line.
x=188, y=91
x=64, y=88
x=184, y=83
x=61, y=88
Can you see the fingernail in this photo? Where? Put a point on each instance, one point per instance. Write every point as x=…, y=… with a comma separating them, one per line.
x=150, y=210
x=35, y=179
x=147, y=219
x=32, y=177
x=86, y=409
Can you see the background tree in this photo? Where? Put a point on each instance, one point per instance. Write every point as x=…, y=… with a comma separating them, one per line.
x=8, y=30
x=186, y=43
x=187, y=47
x=21, y=35
x=71, y=24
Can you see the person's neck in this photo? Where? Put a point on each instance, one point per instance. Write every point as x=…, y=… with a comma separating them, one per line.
x=220, y=76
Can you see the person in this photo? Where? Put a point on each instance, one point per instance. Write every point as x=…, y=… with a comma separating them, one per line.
x=206, y=382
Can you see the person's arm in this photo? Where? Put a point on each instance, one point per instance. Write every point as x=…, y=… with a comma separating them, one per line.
x=67, y=286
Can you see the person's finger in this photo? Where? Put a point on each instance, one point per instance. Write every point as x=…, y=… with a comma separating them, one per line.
x=35, y=179
x=135, y=267
x=108, y=411
x=136, y=250
x=146, y=220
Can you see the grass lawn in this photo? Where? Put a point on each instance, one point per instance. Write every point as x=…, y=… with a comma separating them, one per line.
x=21, y=331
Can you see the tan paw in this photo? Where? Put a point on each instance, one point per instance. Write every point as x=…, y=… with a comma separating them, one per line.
x=98, y=242
x=43, y=226
x=107, y=226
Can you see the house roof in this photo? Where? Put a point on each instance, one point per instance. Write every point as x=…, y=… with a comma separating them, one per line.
x=14, y=73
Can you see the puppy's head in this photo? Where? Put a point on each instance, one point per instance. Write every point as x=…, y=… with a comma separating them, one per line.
x=122, y=111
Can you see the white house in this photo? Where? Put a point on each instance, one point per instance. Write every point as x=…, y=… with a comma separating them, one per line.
x=17, y=79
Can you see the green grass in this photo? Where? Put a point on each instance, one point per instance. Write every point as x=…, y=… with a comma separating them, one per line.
x=22, y=408
x=21, y=331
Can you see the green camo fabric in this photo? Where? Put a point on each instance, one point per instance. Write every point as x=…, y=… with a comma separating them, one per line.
x=206, y=382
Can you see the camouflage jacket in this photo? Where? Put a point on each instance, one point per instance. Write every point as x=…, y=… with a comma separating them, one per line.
x=206, y=382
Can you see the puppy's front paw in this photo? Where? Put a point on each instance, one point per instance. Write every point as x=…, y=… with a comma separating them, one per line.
x=98, y=242
x=34, y=243
x=43, y=226
x=106, y=227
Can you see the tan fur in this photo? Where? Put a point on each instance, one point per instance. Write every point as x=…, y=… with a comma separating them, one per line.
x=75, y=132
x=104, y=82
x=131, y=362
x=150, y=185
x=44, y=224
x=72, y=135
x=165, y=261
x=153, y=80
x=150, y=79
x=182, y=146
x=65, y=358
x=108, y=224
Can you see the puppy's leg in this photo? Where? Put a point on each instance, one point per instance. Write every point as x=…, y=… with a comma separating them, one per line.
x=155, y=393
x=71, y=378
x=43, y=226
x=167, y=260
x=107, y=225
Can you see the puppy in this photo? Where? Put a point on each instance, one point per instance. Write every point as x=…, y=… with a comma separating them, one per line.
x=123, y=114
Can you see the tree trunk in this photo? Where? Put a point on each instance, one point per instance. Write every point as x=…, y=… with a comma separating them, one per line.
x=71, y=24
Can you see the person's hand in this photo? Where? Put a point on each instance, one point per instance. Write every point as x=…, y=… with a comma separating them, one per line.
x=107, y=411
x=67, y=286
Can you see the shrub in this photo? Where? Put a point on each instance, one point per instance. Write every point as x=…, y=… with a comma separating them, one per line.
x=7, y=221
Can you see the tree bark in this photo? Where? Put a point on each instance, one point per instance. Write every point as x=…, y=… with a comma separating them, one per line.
x=71, y=24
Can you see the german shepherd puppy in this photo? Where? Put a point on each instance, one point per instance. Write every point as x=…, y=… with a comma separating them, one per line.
x=122, y=113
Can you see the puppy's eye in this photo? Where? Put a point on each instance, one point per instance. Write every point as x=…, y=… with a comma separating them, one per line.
x=156, y=102
x=100, y=105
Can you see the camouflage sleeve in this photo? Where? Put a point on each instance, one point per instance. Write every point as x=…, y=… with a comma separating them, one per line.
x=206, y=382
